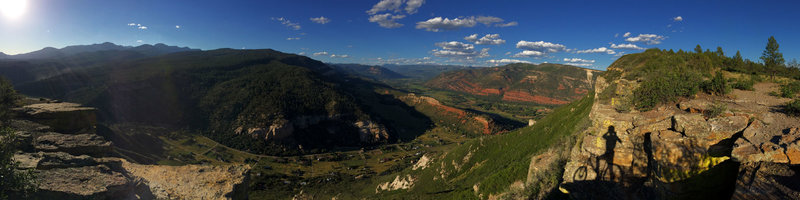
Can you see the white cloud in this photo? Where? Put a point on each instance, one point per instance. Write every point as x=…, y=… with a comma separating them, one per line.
x=507, y=24
x=387, y=20
x=488, y=20
x=529, y=53
x=293, y=38
x=505, y=61
x=320, y=20
x=471, y=38
x=677, y=19
x=437, y=24
x=597, y=50
x=578, y=60
x=138, y=26
x=626, y=46
x=322, y=53
x=488, y=39
x=455, y=45
x=541, y=46
x=458, y=54
x=386, y=5
x=178, y=26
x=646, y=38
x=302, y=53
x=626, y=34
x=287, y=23
x=340, y=56
x=580, y=64
x=455, y=49
x=139, y=41
x=413, y=5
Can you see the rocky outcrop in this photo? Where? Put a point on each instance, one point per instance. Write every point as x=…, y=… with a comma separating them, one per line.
x=61, y=117
x=75, y=165
x=399, y=183
x=674, y=151
x=370, y=132
x=193, y=181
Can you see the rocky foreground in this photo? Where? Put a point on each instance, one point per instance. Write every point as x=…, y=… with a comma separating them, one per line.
x=71, y=161
x=748, y=151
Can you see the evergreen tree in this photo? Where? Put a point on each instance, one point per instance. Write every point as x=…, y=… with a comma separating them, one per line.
x=738, y=57
x=8, y=97
x=698, y=49
x=771, y=56
x=719, y=51
x=793, y=64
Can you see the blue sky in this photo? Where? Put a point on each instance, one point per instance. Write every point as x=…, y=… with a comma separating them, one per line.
x=413, y=31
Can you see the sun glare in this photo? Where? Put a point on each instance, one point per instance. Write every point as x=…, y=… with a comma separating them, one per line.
x=13, y=9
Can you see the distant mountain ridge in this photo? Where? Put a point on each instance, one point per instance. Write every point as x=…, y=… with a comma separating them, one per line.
x=422, y=72
x=371, y=71
x=50, y=52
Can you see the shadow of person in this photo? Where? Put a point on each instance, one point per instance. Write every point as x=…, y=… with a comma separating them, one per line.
x=611, y=142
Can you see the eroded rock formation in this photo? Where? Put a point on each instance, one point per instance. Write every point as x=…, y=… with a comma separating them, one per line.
x=749, y=151
x=70, y=161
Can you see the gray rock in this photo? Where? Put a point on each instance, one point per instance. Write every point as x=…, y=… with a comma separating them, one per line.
x=90, y=182
x=691, y=125
x=62, y=117
x=766, y=181
x=89, y=144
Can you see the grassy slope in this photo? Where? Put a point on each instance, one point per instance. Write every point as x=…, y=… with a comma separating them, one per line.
x=496, y=161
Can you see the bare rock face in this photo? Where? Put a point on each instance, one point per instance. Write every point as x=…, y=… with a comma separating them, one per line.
x=90, y=144
x=691, y=124
x=73, y=166
x=193, y=181
x=90, y=182
x=61, y=117
x=765, y=180
x=371, y=132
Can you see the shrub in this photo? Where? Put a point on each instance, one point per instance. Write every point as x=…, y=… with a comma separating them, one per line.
x=8, y=97
x=717, y=85
x=792, y=108
x=12, y=182
x=789, y=90
x=743, y=84
x=715, y=110
x=665, y=88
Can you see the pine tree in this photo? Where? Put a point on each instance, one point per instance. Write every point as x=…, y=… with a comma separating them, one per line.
x=698, y=49
x=771, y=56
x=719, y=51
x=738, y=57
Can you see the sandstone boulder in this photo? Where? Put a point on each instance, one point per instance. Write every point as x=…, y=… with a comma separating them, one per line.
x=691, y=125
x=695, y=105
x=725, y=127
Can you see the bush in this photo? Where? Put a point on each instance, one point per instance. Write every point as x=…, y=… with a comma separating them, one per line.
x=743, y=84
x=12, y=181
x=8, y=98
x=790, y=90
x=716, y=110
x=717, y=85
x=665, y=88
x=792, y=108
